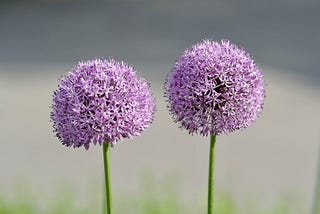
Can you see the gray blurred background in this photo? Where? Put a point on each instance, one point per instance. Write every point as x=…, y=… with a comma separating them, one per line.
x=41, y=40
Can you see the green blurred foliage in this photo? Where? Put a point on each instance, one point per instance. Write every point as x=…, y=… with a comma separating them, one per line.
x=154, y=197
x=145, y=204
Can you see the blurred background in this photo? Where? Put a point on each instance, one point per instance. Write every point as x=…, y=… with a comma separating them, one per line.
x=275, y=158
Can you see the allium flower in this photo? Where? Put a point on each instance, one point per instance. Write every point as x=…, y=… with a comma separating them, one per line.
x=101, y=101
x=215, y=88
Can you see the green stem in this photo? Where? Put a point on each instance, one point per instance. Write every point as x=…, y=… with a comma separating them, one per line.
x=108, y=198
x=211, y=176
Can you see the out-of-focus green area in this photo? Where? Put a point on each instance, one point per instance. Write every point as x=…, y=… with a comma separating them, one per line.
x=153, y=198
x=141, y=205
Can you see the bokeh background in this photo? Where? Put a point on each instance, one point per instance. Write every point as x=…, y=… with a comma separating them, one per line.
x=277, y=156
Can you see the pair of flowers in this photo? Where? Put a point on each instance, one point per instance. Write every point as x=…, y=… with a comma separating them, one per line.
x=213, y=88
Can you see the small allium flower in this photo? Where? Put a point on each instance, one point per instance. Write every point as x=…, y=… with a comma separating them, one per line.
x=101, y=101
x=215, y=88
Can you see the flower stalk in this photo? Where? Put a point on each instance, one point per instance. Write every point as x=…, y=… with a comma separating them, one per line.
x=214, y=88
x=101, y=101
x=211, y=176
x=108, y=193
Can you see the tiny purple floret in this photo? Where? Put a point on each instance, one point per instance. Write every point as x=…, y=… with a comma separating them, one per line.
x=101, y=100
x=215, y=88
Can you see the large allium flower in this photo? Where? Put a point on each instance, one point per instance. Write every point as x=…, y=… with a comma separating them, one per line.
x=101, y=101
x=215, y=88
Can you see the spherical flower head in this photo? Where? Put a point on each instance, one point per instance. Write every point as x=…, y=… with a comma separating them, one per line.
x=101, y=101
x=215, y=88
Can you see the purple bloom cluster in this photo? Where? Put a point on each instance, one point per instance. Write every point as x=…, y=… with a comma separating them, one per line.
x=215, y=88
x=101, y=101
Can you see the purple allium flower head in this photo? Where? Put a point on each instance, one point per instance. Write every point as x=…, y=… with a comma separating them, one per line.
x=215, y=88
x=101, y=101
